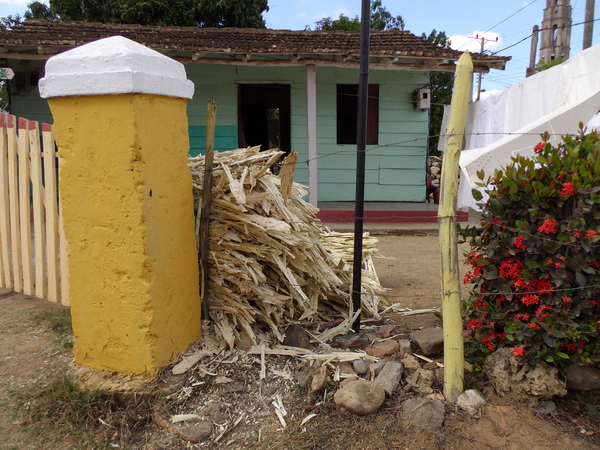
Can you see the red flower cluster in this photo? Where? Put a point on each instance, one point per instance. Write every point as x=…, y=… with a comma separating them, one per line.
x=518, y=242
x=567, y=189
x=523, y=317
x=473, y=324
x=511, y=269
x=572, y=346
x=549, y=226
x=530, y=299
x=540, y=311
x=519, y=351
x=539, y=147
x=488, y=342
x=591, y=233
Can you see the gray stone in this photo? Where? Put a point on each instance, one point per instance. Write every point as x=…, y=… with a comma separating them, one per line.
x=304, y=377
x=421, y=380
x=346, y=368
x=296, y=336
x=378, y=366
x=429, y=340
x=390, y=376
x=198, y=432
x=422, y=413
x=319, y=379
x=217, y=411
x=410, y=363
x=405, y=348
x=511, y=375
x=582, y=377
x=383, y=349
x=471, y=401
x=544, y=382
x=352, y=340
x=545, y=408
x=386, y=331
x=360, y=397
x=360, y=366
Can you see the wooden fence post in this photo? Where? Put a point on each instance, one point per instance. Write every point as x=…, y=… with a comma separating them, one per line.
x=451, y=302
x=51, y=209
x=211, y=115
x=39, y=226
x=4, y=209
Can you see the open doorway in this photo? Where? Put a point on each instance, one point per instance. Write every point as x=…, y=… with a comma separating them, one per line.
x=264, y=116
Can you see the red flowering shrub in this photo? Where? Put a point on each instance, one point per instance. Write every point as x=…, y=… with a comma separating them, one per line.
x=535, y=257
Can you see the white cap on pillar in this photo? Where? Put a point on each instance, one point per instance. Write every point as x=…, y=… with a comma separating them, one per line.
x=114, y=65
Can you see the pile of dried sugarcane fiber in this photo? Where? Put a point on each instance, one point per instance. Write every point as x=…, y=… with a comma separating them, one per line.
x=271, y=261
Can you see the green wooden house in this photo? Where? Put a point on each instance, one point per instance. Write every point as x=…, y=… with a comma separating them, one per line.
x=293, y=90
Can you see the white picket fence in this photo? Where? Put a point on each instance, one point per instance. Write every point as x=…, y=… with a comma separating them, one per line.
x=32, y=250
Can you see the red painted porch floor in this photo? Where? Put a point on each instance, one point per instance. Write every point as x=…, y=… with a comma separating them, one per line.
x=386, y=216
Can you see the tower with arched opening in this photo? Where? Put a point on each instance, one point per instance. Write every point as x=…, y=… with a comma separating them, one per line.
x=555, y=40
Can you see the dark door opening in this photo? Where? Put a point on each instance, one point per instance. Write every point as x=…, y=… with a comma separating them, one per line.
x=264, y=116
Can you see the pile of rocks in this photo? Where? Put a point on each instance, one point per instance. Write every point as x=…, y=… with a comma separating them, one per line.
x=390, y=369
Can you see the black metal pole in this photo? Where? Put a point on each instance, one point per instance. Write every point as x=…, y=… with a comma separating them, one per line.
x=361, y=143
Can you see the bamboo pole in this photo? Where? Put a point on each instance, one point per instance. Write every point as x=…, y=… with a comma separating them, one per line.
x=451, y=302
x=39, y=226
x=4, y=209
x=211, y=114
x=51, y=209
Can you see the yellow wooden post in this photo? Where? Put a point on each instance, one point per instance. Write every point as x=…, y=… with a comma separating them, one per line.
x=451, y=304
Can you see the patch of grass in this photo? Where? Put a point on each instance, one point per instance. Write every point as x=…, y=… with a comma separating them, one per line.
x=61, y=412
x=57, y=321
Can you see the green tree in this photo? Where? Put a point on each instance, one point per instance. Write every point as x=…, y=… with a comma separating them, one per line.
x=542, y=65
x=381, y=19
x=38, y=10
x=8, y=22
x=441, y=84
x=204, y=13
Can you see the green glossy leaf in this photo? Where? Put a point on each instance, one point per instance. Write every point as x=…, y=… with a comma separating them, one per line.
x=477, y=195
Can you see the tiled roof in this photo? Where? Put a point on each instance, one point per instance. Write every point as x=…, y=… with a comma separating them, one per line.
x=399, y=45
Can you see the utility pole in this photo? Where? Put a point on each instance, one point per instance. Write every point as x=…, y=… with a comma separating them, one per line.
x=534, y=44
x=483, y=41
x=588, y=27
x=361, y=143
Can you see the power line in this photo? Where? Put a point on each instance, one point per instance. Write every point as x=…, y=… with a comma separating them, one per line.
x=527, y=37
x=502, y=21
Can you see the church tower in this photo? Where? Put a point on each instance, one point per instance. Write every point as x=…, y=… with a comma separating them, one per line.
x=556, y=30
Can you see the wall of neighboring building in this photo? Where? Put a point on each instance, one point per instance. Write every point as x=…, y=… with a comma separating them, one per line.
x=395, y=167
x=24, y=94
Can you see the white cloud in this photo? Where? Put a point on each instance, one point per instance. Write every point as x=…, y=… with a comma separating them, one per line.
x=302, y=15
x=472, y=42
x=333, y=14
x=338, y=12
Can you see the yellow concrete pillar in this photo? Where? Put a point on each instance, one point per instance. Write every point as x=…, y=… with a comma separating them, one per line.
x=120, y=124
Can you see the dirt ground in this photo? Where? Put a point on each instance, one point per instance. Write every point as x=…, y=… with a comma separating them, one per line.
x=30, y=357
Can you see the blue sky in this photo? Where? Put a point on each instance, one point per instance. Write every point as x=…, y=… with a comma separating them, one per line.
x=459, y=18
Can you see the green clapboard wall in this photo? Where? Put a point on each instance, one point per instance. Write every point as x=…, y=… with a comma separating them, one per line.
x=395, y=168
